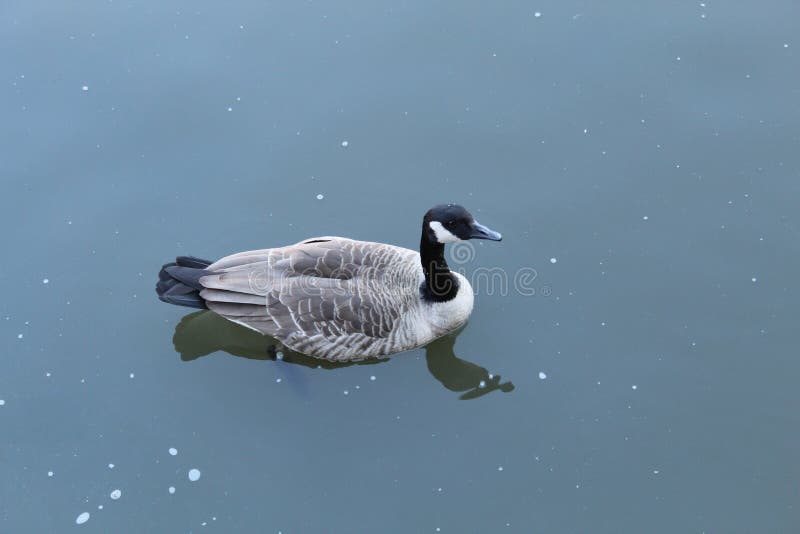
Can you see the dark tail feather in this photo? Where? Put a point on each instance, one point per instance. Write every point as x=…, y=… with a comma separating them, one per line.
x=191, y=261
x=179, y=282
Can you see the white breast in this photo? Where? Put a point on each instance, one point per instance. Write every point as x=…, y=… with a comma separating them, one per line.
x=456, y=311
x=435, y=319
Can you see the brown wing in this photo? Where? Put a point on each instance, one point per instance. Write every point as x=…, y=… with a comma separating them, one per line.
x=332, y=298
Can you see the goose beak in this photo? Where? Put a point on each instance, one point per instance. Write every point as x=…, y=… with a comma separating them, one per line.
x=479, y=231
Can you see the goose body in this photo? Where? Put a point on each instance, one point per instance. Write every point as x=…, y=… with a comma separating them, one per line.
x=333, y=297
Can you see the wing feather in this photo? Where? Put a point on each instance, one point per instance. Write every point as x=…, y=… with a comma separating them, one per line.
x=332, y=298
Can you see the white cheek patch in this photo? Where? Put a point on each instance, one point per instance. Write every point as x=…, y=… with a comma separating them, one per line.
x=443, y=235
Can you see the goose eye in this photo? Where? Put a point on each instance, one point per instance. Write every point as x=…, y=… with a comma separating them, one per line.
x=451, y=224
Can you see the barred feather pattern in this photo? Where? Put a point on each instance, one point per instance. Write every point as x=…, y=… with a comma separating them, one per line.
x=331, y=297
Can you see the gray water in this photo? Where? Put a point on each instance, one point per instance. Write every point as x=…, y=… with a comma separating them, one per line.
x=640, y=158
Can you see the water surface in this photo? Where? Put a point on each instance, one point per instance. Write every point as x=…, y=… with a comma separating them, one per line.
x=650, y=149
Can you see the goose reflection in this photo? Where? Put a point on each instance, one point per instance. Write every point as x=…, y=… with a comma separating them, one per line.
x=202, y=333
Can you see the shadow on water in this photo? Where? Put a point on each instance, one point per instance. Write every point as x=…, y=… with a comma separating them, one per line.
x=202, y=333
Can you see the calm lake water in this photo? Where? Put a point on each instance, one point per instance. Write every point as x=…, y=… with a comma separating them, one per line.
x=641, y=158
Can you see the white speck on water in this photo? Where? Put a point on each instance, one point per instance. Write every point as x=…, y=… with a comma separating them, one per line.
x=542, y=375
x=656, y=471
x=500, y=468
x=50, y=473
x=46, y=281
x=132, y=375
x=171, y=490
x=320, y=196
x=47, y=375
x=678, y=58
x=2, y=402
x=786, y=45
x=111, y=466
x=173, y=451
x=537, y=14
x=345, y=143
x=346, y=392
x=278, y=380
x=19, y=336
x=373, y=378
x=482, y=384
x=553, y=260
x=99, y=506
x=194, y=475
x=85, y=88
x=634, y=387
x=585, y=130
x=116, y=494
x=754, y=279
x=645, y=218
x=230, y=109
x=83, y=518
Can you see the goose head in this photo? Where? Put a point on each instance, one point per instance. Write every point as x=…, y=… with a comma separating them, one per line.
x=448, y=223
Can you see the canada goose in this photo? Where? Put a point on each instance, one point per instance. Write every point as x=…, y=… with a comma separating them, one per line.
x=337, y=298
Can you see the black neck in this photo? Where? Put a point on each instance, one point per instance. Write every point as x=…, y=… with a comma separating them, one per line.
x=440, y=284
